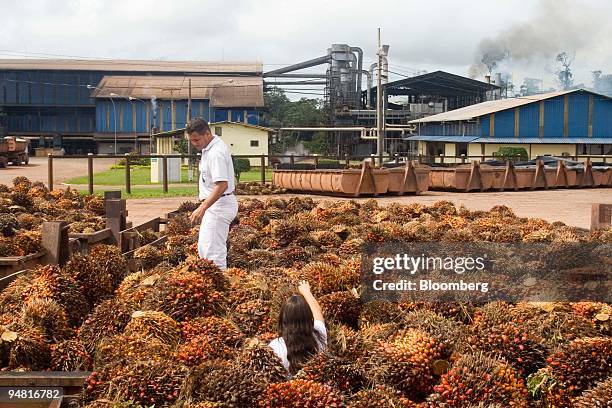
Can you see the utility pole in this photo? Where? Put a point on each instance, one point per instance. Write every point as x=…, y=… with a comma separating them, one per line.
x=379, y=125
x=189, y=161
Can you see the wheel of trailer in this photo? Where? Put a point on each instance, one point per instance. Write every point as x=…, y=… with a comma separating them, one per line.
x=3, y=161
x=26, y=158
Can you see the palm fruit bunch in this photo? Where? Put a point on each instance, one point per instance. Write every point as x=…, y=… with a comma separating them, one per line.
x=126, y=349
x=19, y=195
x=146, y=382
x=97, y=283
x=11, y=299
x=70, y=355
x=110, y=317
x=256, y=357
x=342, y=307
x=224, y=382
x=49, y=282
x=379, y=311
x=599, y=313
x=449, y=333
x=196, y=289
x=149, y=256
x=179, y=225
x=478, y=377
x=324, y=278
x=342, y=341
x=379, y=396
x=8, y=224
x=341, y=374
x=24, y=348
x=405, y=362
x=207, y=338
x=28, y=221
x=47, y=316
x=599, y=396
x=95, y=204
x=574, y=368
x=8, y=247
x=28, y=242
x=325, y=239
x=137, y=285
x=510, y=340
x=109, y=261
x=302, y=394
x=156, y=325
x=253, y=317
x=188, y=206
x=351, y=247
x=284, y=232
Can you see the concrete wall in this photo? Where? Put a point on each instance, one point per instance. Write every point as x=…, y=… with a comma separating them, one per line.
x=239, y=138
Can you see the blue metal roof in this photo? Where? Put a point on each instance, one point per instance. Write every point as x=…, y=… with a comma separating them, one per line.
x=545, y=140
x=456, y=139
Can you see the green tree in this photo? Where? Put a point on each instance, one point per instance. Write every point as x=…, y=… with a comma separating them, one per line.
x=240, y=166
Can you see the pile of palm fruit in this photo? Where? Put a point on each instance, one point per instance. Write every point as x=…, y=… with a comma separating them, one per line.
x=182, y=333
x=256, y=188
x=26, y=205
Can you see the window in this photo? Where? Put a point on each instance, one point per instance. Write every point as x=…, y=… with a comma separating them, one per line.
x=218, y=130
x=254, y=143
x=461, y=149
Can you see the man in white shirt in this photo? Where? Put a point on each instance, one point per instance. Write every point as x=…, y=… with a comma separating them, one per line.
x=219, y=205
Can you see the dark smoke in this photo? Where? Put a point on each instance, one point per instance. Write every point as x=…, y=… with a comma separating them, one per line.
x=558, y=25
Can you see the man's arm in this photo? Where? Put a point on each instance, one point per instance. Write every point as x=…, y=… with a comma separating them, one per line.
x=218, y=190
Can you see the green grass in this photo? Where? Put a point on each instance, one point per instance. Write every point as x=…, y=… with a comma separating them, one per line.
x=142, y=176
x=153, y=192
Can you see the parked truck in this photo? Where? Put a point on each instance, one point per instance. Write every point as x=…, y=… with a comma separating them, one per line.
x=14, y=150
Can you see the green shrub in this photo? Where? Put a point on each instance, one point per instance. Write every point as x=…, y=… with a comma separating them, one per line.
x=144, y=161
x=512, y=153
x=240, y=166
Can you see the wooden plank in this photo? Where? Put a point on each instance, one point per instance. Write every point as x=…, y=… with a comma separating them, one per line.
x=94, y=237
x=115, y=217
x=43, y=378
x=158, y=242
x=16, y=260
x=55, y=242
x=601, y=216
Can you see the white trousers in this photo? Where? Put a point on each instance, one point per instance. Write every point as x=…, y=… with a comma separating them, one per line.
x=212, y=242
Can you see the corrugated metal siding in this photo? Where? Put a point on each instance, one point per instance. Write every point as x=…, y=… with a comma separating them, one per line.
x=485, y=122
x=553, y=117
x=578, y=120
x=55, y=88
x=602, y=117
x=504, y=123
x=529, y=120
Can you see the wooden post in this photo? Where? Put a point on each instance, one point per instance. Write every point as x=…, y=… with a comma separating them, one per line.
x=90, y=182
x=165, y=173
x=263, y=169
x=316, y=161
x=112, y=195
x=55, y=242
x=128, y=182
x=601, y=216
x=292, y=160
x=346, y=160
x=116, y=214
x=50, y=171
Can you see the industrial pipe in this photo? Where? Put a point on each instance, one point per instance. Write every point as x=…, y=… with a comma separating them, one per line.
x=295, y=67
x=369, y=87
x=359, y=52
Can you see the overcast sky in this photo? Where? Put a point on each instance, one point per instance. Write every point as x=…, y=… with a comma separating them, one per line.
x=423, y=35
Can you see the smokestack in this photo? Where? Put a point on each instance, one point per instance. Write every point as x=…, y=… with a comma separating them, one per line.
x=498, y=79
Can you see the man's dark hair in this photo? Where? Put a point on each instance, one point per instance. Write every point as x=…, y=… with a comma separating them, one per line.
x=198, y=125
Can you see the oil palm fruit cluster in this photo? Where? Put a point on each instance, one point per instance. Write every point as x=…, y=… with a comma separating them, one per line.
x=300, y=393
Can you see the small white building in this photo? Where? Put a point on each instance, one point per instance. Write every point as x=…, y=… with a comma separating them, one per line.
x=244, y=138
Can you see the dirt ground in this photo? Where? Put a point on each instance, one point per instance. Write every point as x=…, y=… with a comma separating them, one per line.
x=63, y=169
x=572, y=207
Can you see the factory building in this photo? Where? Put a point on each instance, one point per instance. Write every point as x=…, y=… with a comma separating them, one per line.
x=103, y=106
x=567, y=123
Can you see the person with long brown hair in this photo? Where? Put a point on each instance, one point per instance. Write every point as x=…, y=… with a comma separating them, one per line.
x=301, y=329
